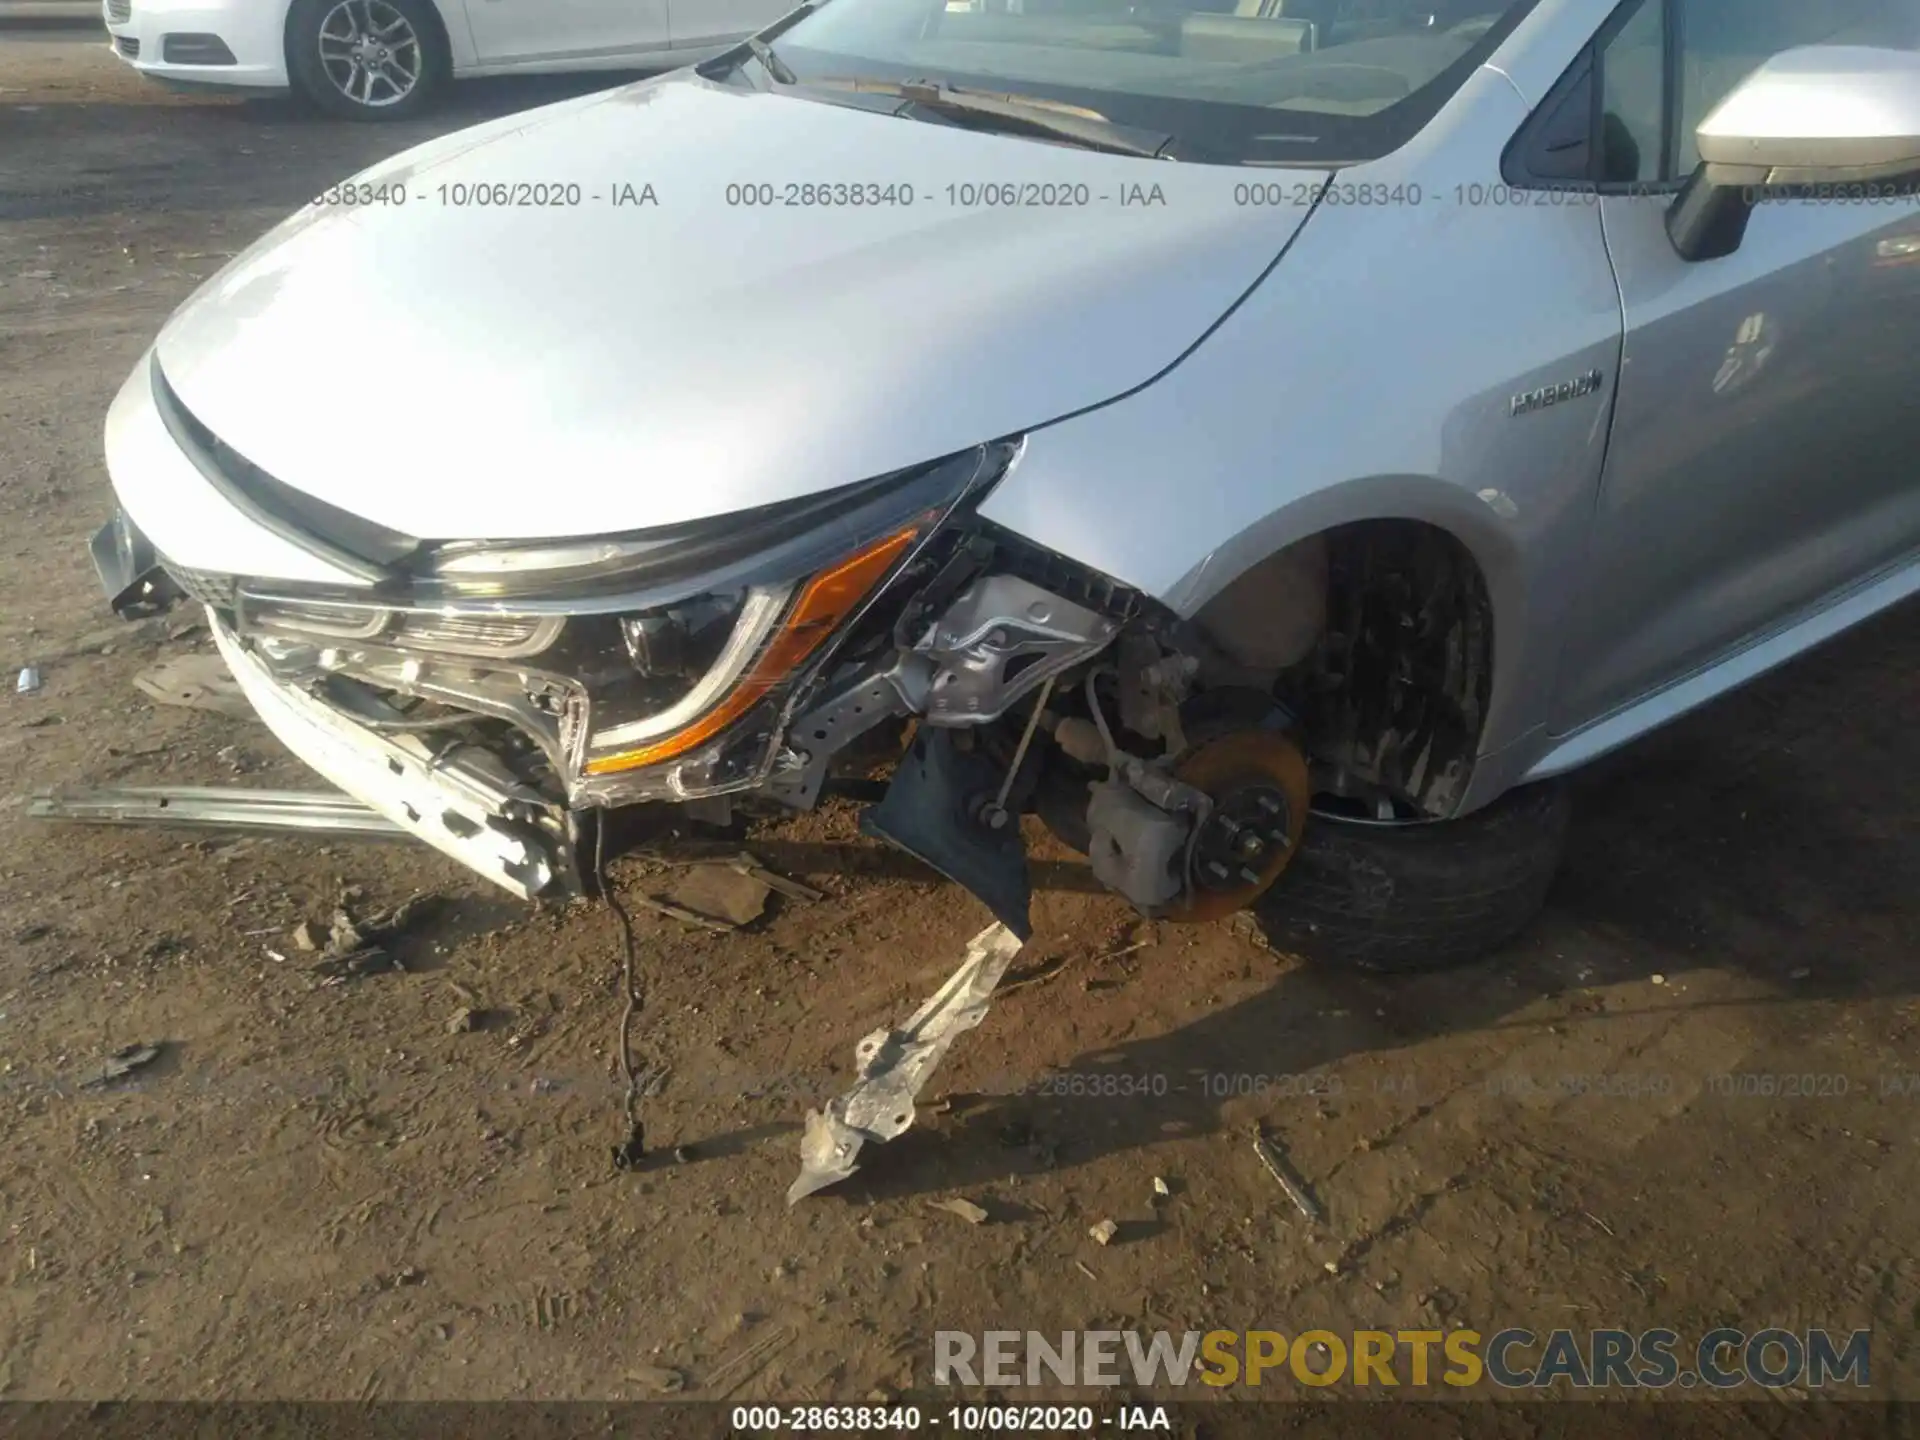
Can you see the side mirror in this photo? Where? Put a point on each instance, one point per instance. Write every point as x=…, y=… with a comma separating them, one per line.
x=1821, y=115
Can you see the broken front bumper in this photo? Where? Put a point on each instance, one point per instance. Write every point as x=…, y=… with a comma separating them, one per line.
x=511, y=837
x=518, y=751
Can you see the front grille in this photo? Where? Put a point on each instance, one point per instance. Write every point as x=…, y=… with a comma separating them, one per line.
x=202, y=586
x=119, y=12
x=127, y=46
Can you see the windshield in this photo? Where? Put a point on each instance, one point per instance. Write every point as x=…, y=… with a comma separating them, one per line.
x=1276, y=82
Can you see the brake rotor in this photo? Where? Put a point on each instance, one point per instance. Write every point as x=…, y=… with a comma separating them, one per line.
x=1257, y=780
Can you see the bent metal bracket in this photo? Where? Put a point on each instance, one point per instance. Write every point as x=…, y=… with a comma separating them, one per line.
x=894, y=1066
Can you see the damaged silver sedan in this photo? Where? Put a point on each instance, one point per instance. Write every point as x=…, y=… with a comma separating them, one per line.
x=1429, y=410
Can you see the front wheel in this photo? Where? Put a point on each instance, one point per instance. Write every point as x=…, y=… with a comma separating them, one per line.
x=367, y=59
x=1400, y=898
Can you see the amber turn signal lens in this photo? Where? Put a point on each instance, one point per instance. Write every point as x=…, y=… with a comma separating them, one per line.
x=823, y=607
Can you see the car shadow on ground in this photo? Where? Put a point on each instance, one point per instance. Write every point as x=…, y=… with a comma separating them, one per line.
x=1771, y=836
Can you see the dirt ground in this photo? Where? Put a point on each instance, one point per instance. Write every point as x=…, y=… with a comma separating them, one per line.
x=324, y=1192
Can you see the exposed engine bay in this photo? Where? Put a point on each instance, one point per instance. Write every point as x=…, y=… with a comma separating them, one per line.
x=494, y=700
x=489, y=700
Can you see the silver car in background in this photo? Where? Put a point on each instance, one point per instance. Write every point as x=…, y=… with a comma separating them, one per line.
x=1270, y=441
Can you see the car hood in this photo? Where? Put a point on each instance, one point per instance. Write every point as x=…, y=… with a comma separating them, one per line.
x=652, y=348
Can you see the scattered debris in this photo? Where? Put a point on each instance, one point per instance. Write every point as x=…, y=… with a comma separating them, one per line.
x=742, y=862
x=1085, y=1269
x=343, y=936
x=356, y=948
x=735, y=1371
x=1044, y=971
x=388, y=923
x=793, y=889
x=463, y=1022
x=894, y=1066
x=719, y=892
x=29, y=681
x=965, y=1209
x=1659, y=979
x=724, y=893
x=685, y=916
x=1161, y=1189
x=356, y=966
x=123, y=1063
x=195, y=682
x=1799, y=974
x=1104, y=1232
x=658, y=1378
x=302, y=937
x=1277, y=1166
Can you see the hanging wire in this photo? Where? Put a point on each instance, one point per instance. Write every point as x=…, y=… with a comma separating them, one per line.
x=628, y=1155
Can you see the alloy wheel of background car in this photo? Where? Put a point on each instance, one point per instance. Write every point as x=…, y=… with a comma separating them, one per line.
x=367, y=59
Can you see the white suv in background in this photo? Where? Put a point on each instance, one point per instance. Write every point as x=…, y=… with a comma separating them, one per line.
x=386, y=59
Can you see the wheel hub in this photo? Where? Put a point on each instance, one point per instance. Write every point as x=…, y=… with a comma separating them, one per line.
x=1257, y=781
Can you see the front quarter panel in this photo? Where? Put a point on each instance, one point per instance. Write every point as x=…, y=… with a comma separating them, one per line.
x=1371, y=376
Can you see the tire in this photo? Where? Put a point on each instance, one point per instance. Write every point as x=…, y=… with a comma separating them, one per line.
x=1398, y=899
x=323, y=36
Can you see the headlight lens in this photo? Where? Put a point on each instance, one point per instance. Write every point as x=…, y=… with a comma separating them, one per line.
x=480, y=635
x=776, y=631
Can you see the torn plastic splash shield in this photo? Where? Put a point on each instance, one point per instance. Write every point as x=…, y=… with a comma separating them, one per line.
x=896, y=1064
x=939, y=809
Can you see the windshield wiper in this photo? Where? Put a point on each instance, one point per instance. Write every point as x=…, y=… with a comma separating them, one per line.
x=728, y=62
x=1020, y=113
x=770, y=62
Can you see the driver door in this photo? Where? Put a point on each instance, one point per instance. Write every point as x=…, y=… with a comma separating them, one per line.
x=1765, y=450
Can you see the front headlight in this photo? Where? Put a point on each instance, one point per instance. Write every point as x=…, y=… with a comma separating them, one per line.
x=776, y=630
x=717, y=663
x=674, y=648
